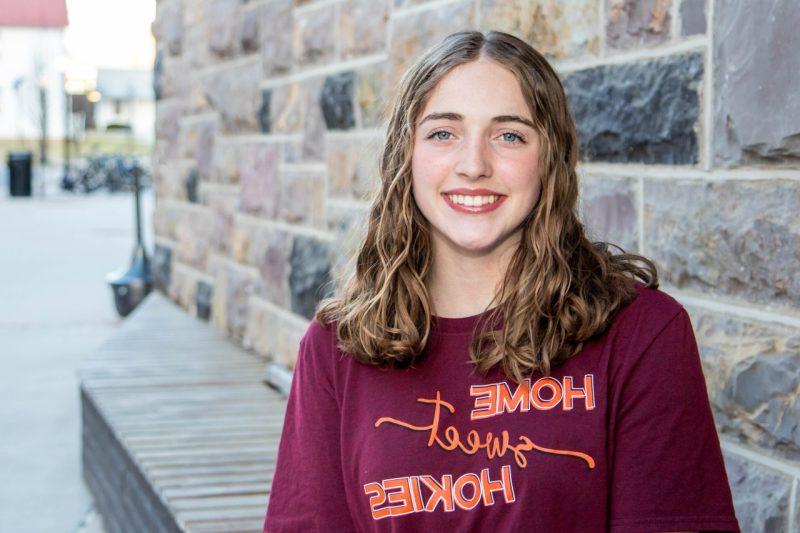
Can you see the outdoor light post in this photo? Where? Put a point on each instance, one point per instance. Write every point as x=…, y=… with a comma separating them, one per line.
x=131, y=287
x=67, y=131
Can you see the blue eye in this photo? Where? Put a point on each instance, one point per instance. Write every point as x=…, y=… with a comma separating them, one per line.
x=438, y=135
x=511, y=137
x=516, y=138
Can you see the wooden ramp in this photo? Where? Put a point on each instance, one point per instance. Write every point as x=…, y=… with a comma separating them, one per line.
x=180, y=432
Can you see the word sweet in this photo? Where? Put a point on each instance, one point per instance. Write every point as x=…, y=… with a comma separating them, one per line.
x=403, y=495
x=543, y=394
x=494, y=446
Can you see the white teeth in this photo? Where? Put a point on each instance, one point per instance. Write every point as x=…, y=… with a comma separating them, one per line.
x=472, y=201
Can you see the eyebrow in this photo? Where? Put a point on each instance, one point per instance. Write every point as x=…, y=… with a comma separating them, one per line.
x=499, y=118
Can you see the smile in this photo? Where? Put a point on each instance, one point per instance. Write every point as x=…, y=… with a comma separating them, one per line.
x=465, y=203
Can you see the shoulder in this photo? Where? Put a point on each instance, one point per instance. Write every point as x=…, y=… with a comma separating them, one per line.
x=654, y=338
x=643, y=318
x=653, y=302
x=653, y=321
x=317, y=344
x=315, y=365
x=320, y=346
x=318, y=333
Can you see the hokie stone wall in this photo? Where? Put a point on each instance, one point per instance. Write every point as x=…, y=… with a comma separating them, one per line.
x=269, y=123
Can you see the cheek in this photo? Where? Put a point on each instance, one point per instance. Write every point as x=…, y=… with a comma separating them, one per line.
x=534, y=190
x=417, y=170
x=429, y=164
x=521, y=175
x=420, y=181
x=424, y=182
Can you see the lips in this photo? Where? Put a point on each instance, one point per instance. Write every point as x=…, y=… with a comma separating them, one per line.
x=475, y=210
x=473, y=192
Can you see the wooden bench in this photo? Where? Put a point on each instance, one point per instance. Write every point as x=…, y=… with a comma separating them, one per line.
x=180, y=430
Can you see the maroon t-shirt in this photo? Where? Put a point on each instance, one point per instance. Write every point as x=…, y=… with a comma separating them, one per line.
x=618, y=438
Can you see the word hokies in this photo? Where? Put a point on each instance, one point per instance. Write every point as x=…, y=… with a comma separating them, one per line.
x=404, y=495
x=544, y=393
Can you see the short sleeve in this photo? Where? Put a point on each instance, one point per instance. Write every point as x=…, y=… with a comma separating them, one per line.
x=307, y=491
x=667, y=471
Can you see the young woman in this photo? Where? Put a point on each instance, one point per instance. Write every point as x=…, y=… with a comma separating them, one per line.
x=488, y=368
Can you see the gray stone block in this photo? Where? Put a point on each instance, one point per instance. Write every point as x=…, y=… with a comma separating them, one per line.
x=632, y=23
x=221, y=28
x=204, y=297
x=609, y=210
x=762, y=390
x=258, y=178
x=693, y=17
x=309, y=277
x=760, y=496
x=273, y=263
x=249, y=30
x=363, y=27
x=264, y=110
x=191, y=182
x=275, y=23
x=336, y=101
x=757, y=380
x=313, y=144
x=168, y=26
x=756, y=82
x=743, y=239
x=234, y=92
x=555, y=30
x=158, y=75
x=162, y=267
x=237, y=286
x=196, y=141
x=639, y=112
x=315, y=35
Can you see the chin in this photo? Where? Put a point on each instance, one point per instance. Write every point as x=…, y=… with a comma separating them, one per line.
x=476, y=246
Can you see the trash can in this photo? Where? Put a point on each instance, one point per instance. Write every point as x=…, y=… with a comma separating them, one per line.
x=19, y=173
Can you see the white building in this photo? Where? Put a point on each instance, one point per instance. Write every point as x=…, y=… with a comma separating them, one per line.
x=31, y=65
x=126, y=99
x=34, y=61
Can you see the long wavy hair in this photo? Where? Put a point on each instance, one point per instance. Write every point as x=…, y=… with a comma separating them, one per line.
x=559, y=290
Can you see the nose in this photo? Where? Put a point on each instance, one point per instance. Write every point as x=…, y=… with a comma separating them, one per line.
x=474, y=159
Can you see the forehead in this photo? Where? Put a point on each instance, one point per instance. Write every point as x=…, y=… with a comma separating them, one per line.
x=476, y=88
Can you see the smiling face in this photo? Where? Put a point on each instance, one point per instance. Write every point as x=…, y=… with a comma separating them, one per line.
x=475, y=160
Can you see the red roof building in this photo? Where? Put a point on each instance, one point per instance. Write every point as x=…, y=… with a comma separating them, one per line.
x=34, y=13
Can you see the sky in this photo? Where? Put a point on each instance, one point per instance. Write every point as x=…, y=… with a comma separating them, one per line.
x=110, y=33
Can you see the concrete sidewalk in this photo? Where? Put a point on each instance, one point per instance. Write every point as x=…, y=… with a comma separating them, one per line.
x=55, y=309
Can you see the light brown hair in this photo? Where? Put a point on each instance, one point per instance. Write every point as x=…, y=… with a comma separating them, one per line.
x=560, y=289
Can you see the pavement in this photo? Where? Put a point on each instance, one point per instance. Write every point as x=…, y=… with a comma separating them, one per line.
x=55, y=310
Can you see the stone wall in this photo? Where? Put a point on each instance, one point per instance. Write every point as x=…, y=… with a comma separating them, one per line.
x=269, y=118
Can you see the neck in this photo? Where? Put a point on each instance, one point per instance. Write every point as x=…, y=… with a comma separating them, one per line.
x=464, y=284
